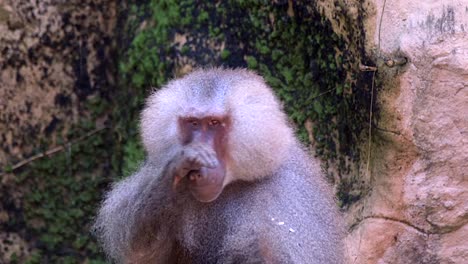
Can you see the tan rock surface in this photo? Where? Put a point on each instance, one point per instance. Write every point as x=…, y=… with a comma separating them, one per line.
x=417, y=210
x=53, y=57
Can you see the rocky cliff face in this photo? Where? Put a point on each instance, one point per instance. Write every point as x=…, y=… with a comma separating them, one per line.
x=54, y=57
x=56, y=71
x=417, y=209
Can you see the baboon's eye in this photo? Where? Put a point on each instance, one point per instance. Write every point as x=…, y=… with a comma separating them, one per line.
x=194, y=123
x=214, y=122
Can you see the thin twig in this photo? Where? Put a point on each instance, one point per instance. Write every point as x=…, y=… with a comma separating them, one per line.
x=315, y=97
x=370, y=124
x=372, y=95
x=53, y=150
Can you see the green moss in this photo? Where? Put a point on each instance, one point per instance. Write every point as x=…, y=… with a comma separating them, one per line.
x=63, y=193
x=251, y=62
x=348, y=192
x=203, y=17
x=225, y=54
x=134, y=155
x=185, y=49
x=34, y=258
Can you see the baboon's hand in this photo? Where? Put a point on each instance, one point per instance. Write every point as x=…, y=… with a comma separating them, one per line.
x=195, y=156
x=192, y=158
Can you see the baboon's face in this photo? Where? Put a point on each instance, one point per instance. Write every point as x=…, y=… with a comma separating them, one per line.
x=211, y=132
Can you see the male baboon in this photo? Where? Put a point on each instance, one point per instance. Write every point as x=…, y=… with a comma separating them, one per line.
x=225, y=181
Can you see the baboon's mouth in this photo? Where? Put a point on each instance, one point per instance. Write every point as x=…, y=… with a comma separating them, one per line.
x=206, y=184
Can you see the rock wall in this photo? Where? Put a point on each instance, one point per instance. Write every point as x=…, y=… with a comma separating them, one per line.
x=417, y=207
x=54, y=56
x=56, y=74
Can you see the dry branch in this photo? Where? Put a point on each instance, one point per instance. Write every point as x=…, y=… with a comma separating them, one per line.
x=54, y=150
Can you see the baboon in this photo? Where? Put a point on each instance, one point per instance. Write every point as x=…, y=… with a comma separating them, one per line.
x=225, y=181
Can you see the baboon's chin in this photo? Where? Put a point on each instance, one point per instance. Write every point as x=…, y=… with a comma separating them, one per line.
x=206, y=184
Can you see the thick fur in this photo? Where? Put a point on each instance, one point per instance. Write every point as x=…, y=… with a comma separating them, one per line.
x=275, y=207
